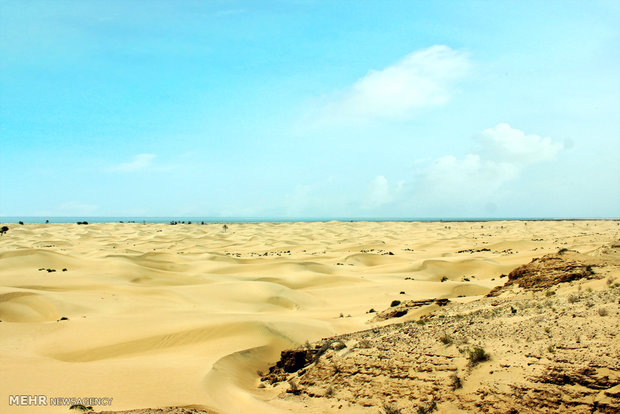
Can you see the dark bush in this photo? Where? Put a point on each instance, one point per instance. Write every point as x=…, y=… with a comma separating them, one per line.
x=476, y=355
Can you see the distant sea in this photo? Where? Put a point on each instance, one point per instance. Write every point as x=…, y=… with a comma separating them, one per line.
x=75, y=219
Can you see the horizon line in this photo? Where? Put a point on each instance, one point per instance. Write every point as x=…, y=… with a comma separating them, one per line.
x=268, y=219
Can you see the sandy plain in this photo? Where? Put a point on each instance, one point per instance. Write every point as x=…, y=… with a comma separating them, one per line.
x=164, y=315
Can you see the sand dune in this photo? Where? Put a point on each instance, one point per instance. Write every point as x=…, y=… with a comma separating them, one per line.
x=160, y=315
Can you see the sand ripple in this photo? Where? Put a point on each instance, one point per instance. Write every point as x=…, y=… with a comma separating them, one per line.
x=159, y=315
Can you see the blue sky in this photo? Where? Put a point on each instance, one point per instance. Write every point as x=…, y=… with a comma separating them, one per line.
x=310, y=108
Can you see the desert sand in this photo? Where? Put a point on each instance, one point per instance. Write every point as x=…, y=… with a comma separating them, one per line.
x=156, y=315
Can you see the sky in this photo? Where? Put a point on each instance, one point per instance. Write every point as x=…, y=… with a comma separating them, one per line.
x=300, y=108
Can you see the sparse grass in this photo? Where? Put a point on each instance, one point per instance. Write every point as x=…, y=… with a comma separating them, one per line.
x=329, y=392
x=364, y=343
x=294, y=388
x=549, y=293
x=476, y=355
x=427, y=408
x=455, y=382
x=390, y=409
x=547, y=329
x=337, y=367
x=80, y=407
x=551, y=348
x=573, y=298
x=445, y=339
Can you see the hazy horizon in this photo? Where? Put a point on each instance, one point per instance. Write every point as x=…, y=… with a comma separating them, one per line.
x=241, y=220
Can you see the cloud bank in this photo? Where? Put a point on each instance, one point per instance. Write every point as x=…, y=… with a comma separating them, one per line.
x=463, y=185
x=501, y=154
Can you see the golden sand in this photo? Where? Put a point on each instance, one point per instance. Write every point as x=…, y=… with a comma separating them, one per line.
x=161, y=315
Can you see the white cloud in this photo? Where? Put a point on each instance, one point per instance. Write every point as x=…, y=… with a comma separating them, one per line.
x=451, y=178
x=381, y=193
x=501, y=155
x=378, y=193
x=451, y=172
x=422, y=79
x=506, y=144
x=138, y=163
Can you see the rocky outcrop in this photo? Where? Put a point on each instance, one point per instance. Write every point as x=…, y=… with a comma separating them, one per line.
x=402, y=308
x=549, y=270
x=296, y=359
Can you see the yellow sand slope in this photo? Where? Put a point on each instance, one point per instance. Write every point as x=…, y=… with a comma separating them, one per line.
x=161, y=315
